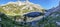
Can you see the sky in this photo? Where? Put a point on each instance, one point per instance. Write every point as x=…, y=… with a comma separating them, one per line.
x=46, y=4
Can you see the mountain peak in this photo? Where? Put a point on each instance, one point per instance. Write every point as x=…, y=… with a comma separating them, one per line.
x=17, y=8
x=59, y=3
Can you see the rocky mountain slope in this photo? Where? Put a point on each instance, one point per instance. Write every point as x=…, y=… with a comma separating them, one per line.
x=20, y=8
x=52, y=17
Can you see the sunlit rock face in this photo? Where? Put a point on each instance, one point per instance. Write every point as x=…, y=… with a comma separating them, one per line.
x=20, y=8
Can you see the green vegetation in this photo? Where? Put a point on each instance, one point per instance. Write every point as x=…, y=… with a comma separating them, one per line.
x=8, y=22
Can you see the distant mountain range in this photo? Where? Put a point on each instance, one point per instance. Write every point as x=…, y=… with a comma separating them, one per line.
x=52, y=17
x=53, y=10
